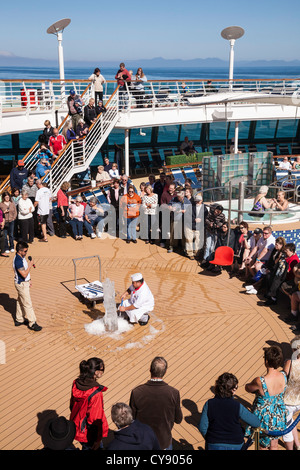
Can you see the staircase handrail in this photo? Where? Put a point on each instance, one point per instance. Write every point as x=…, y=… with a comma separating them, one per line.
x=5, y=184
x=83, y=146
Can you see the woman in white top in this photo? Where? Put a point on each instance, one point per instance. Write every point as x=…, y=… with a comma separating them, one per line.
x=98, y=80
x=25, y=215
x=149, y=205
x=114, y=172
x=102, y=175
x=138, y=90
x=292, y=393
x=76, y=212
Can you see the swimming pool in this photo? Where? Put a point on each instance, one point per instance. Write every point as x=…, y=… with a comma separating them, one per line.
x=278, y=218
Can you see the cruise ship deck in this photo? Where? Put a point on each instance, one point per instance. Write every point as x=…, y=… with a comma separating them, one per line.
x=202, y=324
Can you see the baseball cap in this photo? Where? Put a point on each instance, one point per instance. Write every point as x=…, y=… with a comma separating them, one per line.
x=20, y=163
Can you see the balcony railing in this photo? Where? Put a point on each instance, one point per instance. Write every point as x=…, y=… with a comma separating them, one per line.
x=43, y=95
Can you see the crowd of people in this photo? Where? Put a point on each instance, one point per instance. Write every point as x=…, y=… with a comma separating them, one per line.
x=146, y=421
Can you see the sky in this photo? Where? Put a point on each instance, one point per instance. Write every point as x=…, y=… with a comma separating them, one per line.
x=172, y=29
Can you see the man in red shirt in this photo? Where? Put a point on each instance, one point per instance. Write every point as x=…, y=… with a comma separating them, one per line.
x=123, y=76
x=57, y=142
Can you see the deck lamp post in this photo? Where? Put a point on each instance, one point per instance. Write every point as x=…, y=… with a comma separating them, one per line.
x=231, y=34
x=57, y=29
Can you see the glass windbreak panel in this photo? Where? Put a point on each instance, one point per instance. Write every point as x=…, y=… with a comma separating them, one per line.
x=217, y=131
x=5, y=142
x=192, y=131
x=117, y=136
x=265, y=130
x=28, y=139
x=287, y=128
x=140, y=136
x=168, y=134
x=244, y=127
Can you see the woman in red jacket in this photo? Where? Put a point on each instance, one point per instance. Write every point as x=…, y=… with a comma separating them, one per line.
x=62, y=208
x=87, y=405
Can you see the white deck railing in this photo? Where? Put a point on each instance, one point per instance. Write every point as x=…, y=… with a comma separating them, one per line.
x=37, y=95
x=78, y=155
x=40, y=95
x=181, y=93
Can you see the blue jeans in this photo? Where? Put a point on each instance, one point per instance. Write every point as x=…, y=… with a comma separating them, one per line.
x=77, y=227
x=224, y=446
x=9, y=229
x=98, y=221
x=131, y=228
x=210, y=244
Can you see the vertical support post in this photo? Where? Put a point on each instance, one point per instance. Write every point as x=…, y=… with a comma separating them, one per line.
x=241, y=200
x=61, y=68
x=236, y=137
x=229, y=212
x=231, y=61
x=127, y=152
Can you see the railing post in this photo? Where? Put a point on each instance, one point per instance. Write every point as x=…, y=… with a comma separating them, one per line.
x=241, y=200
x=127, y=152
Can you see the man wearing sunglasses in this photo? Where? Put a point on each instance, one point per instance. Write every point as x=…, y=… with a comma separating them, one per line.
x=25, y=314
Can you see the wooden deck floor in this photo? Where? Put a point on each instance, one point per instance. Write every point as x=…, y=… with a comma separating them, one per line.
x=203, y=325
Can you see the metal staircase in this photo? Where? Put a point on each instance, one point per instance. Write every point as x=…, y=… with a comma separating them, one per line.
x=77, y=155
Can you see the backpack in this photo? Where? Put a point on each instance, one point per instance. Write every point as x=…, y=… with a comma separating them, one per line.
x=79, y=415
x=84, y=421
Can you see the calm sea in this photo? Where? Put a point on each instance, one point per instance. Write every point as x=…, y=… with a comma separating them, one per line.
x=152, y=73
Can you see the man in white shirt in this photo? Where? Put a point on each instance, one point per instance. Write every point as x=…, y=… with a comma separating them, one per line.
x=43, y=203
x=261, y=252
x=285, y=164
x=141, y=301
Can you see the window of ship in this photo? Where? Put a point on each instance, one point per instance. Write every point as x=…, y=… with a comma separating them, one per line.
x=27, y=139
x=140, y=136
x=265, y=130
x=217, y=131
x=168, y=134
x=287, y=129
x=192, y=131
x=244, y=127
x=117, y=136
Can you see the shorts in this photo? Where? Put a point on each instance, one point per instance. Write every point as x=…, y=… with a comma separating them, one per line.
x=43, y=218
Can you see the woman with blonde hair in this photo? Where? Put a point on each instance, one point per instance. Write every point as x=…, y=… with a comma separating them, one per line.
x=76, y=213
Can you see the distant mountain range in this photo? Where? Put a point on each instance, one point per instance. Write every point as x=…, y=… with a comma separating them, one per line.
x=10, y=60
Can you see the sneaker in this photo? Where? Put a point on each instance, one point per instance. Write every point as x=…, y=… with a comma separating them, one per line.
x=19, y=323
x=162, y=245
x=134, y=241
x=143, y=323
x=12, y=250
x=93, y=235
x=6, y=251
x=99, y=234
x=170, y=250
x=249, y=287
x=35, y=327
x=252, y=291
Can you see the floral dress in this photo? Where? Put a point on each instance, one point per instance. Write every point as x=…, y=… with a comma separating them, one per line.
x=271, y=411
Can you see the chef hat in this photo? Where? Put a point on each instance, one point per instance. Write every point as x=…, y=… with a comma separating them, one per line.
x=136, y=277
